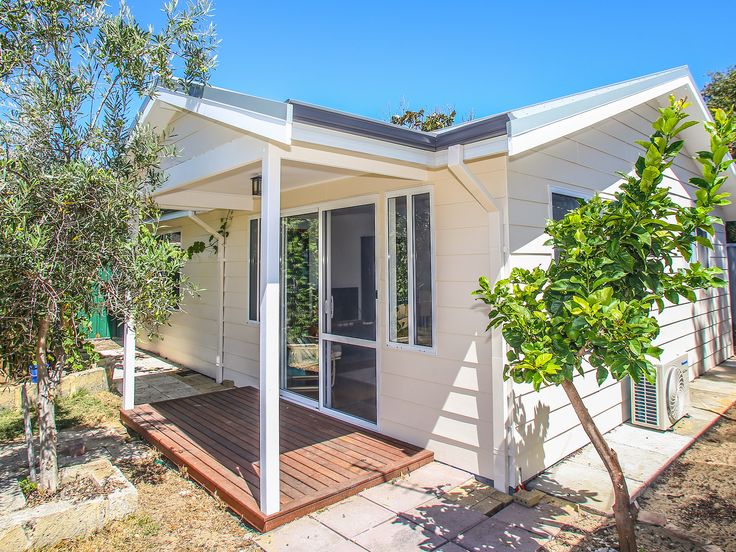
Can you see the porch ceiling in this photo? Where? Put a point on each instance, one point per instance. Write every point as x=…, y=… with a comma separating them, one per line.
x=232, y=190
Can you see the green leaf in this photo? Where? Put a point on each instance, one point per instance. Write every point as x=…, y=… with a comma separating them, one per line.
x=542, y=359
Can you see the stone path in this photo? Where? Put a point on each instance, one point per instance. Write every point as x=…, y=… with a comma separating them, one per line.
x=644, y=453
x=156, y=378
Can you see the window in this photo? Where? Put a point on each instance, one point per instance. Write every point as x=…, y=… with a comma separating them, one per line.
x=254, y=268
x=174, y=238
x=701, y=253
x=410, y=293
x=561, y=205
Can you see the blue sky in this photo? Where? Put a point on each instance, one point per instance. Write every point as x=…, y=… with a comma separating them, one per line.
x=478, y=57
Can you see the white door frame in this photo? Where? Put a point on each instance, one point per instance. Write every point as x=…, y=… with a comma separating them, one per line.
x=321, y=209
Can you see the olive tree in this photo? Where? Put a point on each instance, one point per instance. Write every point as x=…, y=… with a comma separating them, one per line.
x=617, y=263
x=76, y=177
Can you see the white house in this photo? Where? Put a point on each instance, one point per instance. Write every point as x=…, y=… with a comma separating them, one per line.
x=345, y=285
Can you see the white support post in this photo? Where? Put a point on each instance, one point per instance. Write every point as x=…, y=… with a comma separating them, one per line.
x=129, y=366
x=269, y=327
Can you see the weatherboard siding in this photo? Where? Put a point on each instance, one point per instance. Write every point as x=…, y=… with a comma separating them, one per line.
x=438, y=399
x=546, y=429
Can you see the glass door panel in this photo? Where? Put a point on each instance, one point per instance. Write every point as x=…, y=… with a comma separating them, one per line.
x=351, y=388
x=300, y=356
x=350, y=308
x=349, y=313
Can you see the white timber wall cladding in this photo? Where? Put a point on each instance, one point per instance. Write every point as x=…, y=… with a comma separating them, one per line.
x=190, y=338
x=546, y=428
x=440, y=399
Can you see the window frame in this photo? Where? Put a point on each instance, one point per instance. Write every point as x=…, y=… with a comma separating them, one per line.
x=577, y=193
x=409, y=193
x=248, y=318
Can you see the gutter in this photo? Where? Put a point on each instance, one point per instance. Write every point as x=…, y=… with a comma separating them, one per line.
x=220, y=374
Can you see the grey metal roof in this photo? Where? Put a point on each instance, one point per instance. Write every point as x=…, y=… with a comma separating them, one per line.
x=514, y=122
x=323, y=117
x=363, y=126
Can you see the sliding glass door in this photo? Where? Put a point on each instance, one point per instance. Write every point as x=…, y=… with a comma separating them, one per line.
x=349, y=311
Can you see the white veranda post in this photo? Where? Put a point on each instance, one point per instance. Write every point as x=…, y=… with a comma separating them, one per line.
x=129, y=366
x=269, y=336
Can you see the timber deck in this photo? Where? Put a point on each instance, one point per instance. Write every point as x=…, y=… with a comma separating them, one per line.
x=323, y=460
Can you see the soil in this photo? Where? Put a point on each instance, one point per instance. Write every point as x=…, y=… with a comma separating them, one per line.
x=696, y=493
x=77, y=490
x=173, y=514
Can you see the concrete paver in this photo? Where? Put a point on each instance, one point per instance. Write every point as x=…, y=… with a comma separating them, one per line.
x=397, y=495
x=443, y=517
x=353, y=516
x=305, y=534
x=492, y=535
x=398, y=534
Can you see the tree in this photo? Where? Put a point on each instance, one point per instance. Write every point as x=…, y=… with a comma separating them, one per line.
x=618, y=261
x=720, y=92
x=417, y=120
x=76, y=178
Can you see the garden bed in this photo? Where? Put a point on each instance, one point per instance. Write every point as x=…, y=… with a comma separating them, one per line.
x=92, y=380
x=90, y=496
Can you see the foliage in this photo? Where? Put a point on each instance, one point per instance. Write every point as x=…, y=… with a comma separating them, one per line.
x=720, y=92
x=418, y=120
x=301, y=276
x=200, y=247
x=618, y=260
x=76, y=177
x=27, y=486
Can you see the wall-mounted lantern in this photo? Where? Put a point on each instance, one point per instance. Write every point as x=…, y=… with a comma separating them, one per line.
x=255, y=183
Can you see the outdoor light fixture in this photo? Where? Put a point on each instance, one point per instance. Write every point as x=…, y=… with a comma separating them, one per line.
x=255, y=182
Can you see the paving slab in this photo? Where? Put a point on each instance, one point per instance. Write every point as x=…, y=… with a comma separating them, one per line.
x=399, y=534
x=397, y=496
x=637, y=463
x=353, y=516
x=662, y=442
x=443, y=517
x=492, y=535
x=542, y=519
x=305, y=534
x=436, y=477
x=580, y=484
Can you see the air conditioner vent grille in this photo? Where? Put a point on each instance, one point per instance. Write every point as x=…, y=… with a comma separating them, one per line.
x=645, y=403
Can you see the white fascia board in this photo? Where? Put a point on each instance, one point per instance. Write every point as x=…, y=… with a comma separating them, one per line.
x=224, y=158
x=195, y=200
x=486, y=148
x=305, y=154
x=272, y=128
x=547, y=133
x=325, y=137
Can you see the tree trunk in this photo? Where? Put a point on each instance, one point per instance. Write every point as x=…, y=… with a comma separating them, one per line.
x=28, y=431
x=622, y=510
x=49, y=467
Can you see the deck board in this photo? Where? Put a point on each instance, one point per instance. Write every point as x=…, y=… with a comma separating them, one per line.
x=323, y=459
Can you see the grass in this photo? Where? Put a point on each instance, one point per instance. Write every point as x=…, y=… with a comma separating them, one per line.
x=173, y=514
x=81, y=409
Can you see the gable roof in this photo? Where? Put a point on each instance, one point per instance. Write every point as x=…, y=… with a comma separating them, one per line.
x=524, y=128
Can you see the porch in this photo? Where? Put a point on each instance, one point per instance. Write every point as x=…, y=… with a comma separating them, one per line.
x=215, y=436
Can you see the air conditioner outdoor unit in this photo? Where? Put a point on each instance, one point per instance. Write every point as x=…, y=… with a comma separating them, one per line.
x=661, y=404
